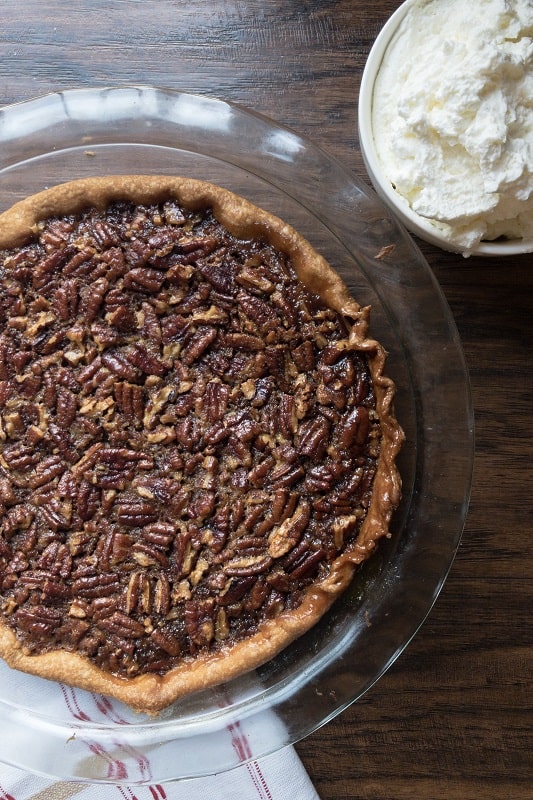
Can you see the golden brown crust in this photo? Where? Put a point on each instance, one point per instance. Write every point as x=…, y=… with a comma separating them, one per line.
x=153, y=692
x=239, y=216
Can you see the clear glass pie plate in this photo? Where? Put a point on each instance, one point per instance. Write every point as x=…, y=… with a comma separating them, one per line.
x=53, y=730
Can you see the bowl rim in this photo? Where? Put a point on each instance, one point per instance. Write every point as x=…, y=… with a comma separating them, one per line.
x=421, y=226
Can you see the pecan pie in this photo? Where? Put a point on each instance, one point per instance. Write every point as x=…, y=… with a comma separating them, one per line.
x=197, y=442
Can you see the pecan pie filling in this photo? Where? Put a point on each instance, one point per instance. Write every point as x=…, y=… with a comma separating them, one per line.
x=188, y=441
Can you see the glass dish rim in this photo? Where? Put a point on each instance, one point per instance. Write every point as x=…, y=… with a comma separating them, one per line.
x=240, y=110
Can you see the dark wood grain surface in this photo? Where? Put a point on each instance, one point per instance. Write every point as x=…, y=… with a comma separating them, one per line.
x=451, y=718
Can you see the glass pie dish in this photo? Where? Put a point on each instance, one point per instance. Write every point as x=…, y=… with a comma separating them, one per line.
x=84, y=737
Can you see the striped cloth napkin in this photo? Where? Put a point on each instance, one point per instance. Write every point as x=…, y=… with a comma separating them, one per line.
x=125, y=771
x=277, y=777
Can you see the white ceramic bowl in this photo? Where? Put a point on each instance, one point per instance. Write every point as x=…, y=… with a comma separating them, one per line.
x=420, y=226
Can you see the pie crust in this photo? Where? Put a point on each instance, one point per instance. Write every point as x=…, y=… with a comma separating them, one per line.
x=209, y=666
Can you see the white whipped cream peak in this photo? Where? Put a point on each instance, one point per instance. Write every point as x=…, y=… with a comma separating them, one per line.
x=453, y=116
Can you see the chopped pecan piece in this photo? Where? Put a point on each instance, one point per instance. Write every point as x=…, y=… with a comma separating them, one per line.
x=288, y=534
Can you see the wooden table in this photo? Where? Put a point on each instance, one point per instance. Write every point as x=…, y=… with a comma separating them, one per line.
x=450, y=719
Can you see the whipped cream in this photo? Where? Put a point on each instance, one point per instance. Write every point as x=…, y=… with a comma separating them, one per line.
x=453, y=117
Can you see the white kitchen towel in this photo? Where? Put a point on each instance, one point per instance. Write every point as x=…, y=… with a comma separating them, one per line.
x=280, y=776
x=49, y=730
